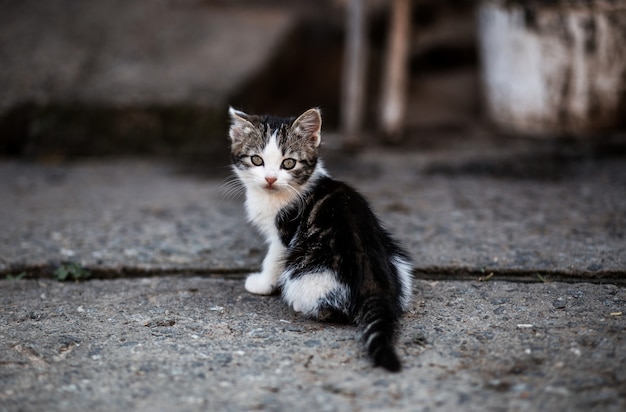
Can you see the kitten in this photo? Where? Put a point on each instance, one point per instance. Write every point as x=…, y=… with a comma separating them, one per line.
x=328, y=253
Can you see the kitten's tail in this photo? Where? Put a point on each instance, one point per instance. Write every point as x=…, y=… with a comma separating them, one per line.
x=377, y=324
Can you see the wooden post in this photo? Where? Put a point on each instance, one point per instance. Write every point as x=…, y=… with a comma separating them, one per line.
x=354, y=72
x=395, y=73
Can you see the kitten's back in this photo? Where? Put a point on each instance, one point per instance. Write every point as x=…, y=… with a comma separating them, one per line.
x=335, y=229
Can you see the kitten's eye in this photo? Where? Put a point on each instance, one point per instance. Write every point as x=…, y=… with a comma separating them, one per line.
x=256, y=160
x=288, y=164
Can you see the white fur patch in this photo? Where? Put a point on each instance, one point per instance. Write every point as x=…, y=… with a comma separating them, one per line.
x=259, y=284
x=405, y=275
x=272, y=157
x=266, y=282
x=307, y=292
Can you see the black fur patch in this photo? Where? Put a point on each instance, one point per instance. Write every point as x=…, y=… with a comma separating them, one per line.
x=335, y=229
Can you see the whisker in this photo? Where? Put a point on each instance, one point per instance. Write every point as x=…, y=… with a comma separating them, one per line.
x=232, y=188
x=299, y=200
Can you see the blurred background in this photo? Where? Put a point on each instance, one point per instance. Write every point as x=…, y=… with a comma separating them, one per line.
x=155, y=77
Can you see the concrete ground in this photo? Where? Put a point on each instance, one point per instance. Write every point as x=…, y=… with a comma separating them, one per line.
x=475, y=206
x=519, y=246
x=202, y=343
x=480, y=219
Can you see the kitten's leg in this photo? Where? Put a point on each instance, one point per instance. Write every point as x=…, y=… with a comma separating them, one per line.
x=265, y=283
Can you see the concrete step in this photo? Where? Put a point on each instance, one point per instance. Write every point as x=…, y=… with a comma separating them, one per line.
x=99, y=75
x=464, y=210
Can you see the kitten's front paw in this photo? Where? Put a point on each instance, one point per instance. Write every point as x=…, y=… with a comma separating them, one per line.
x=258, y=284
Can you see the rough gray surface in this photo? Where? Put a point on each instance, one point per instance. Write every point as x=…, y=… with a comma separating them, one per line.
x=203, y=343
x=177, y=343
x=200, y=343
x=113, y=216
x=471, y=207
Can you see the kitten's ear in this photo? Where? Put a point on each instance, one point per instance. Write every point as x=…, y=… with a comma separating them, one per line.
x=309, y=126
x=240, y=125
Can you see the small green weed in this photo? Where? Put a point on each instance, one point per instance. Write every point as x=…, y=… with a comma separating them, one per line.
x=485, y=278
x=71, y=271
x=19, y=276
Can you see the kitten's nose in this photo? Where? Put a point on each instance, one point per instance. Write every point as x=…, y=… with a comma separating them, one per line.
x=270, y=180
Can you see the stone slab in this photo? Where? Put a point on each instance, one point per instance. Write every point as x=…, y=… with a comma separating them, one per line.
x=469, y=208
x=202, y=343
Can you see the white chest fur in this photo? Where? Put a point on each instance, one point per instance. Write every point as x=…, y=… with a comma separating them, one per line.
x=263, y=206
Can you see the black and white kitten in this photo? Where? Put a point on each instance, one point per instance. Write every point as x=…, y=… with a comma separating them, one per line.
x=328, y=253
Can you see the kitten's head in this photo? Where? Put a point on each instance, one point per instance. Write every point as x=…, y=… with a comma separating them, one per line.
x=272, y=153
